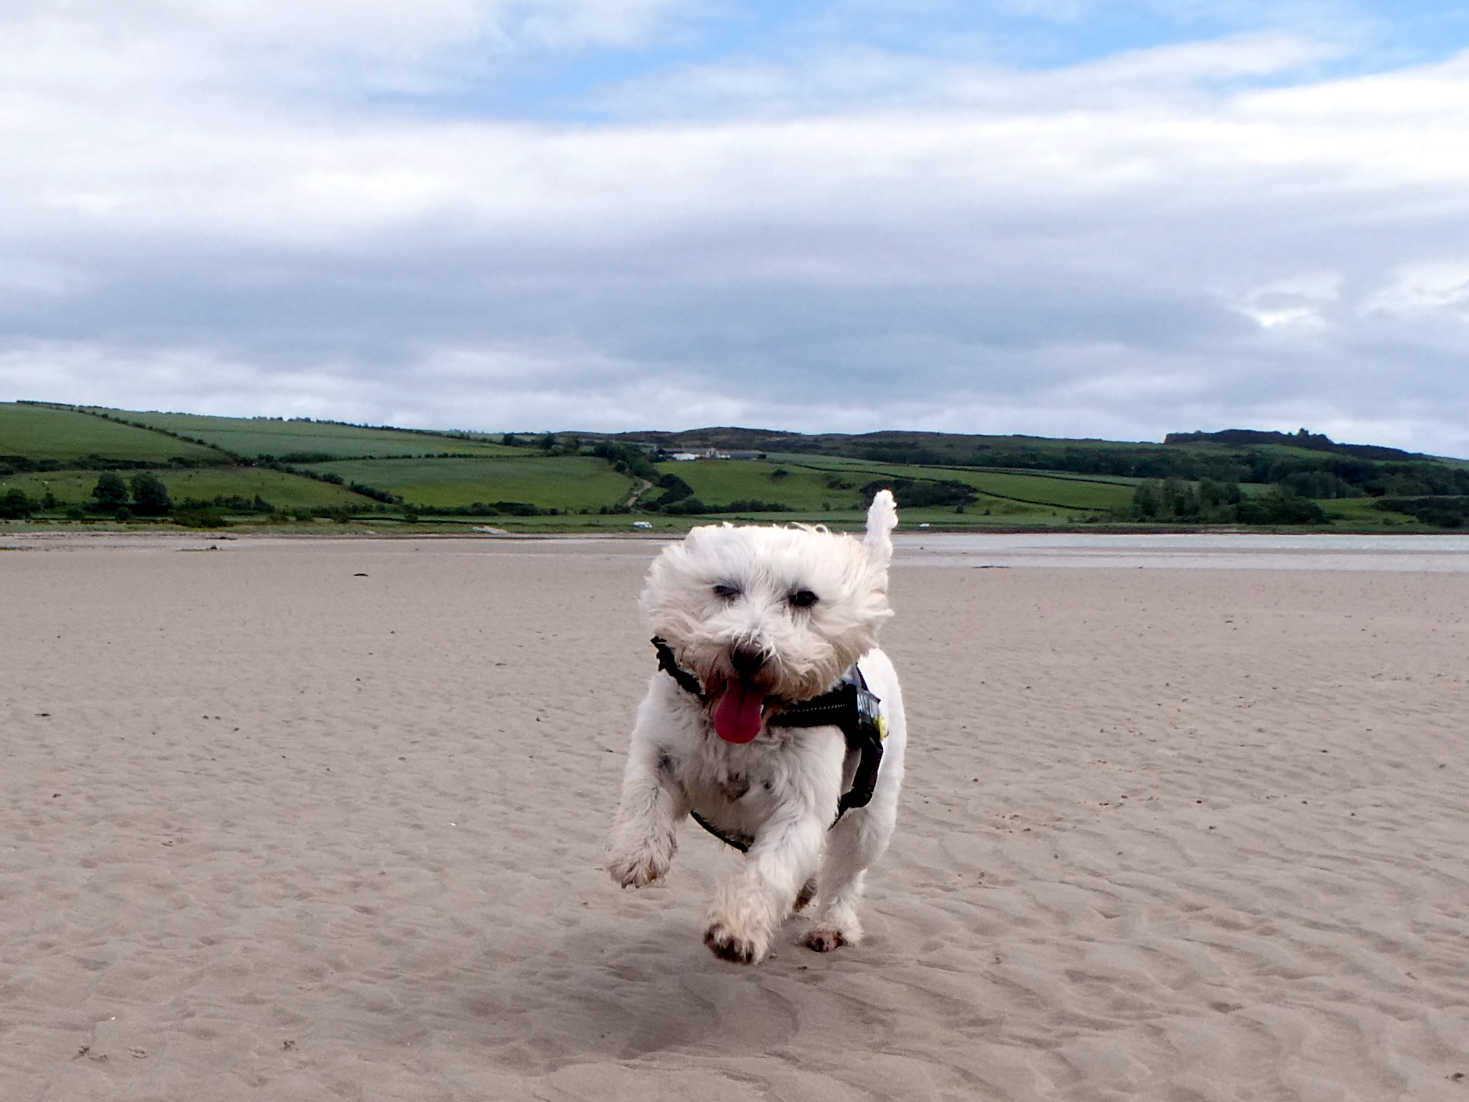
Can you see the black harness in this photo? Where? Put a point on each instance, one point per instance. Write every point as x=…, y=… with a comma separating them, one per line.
x=850, y=706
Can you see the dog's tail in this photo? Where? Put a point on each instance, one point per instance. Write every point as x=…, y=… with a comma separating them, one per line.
x=882, y=518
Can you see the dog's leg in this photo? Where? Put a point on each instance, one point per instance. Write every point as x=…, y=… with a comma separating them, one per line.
x=751, y=904
x=861, y=835
x=848, y=853
x=853, y=845
x=653, y=804
x=643, y=834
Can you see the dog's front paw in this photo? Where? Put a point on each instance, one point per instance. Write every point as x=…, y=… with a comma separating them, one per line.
x=825, y=936
x=725, y=944
x=638, y=869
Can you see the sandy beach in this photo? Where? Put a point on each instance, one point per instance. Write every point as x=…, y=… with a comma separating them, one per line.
x=324, y=819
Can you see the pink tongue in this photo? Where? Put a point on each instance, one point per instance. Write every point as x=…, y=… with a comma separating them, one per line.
x=737, y=715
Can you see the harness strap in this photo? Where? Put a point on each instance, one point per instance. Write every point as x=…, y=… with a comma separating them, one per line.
x=851, y=706
x=741, y=842
x=669, y=665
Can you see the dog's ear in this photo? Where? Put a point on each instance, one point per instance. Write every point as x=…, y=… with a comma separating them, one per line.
x=882, y=518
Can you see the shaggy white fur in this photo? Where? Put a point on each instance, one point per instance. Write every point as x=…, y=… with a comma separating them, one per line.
x=764, y=617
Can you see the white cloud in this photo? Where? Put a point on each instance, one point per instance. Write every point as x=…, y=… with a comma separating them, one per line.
x=1429, y=288
x=178, y=55
x=1146, y=243
x=853, y=80
x=1300, y=301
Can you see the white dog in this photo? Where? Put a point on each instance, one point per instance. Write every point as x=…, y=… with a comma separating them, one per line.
x=774, y=720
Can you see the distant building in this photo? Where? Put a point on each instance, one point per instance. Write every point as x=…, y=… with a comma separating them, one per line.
x=715, y=453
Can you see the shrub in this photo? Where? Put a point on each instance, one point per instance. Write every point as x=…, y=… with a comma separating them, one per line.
x=514, y=509
x=683, y=506
x=14, y=505
x=914, y=493
x=110, y=493
x=200, y=518
x=626, y=459
x=675, y=490
x=373, y=492
x=305, y=457
x=1277, y=507
x=1441, y=512
x=150, y=495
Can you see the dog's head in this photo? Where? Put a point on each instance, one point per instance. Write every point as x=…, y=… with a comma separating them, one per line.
x=766, y=616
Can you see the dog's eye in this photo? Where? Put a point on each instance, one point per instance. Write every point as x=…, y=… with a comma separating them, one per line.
x=802, y=598
x=726, y=592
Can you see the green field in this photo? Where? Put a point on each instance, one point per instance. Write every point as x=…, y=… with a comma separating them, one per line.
x=1362, y=512
x=284, y=491
x=1058, y=491
x=46, y=433
x=822, y=485
x=61, y=451
x=721, y=481
x=266, y=436
x=563, y=482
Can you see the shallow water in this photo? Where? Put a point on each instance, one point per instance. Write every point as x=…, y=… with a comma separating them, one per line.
x=1217, y=551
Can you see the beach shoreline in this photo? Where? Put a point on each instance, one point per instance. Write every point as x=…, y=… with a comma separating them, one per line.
x=306, y=818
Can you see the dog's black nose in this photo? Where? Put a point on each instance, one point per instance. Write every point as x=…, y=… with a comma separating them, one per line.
x=747, y=660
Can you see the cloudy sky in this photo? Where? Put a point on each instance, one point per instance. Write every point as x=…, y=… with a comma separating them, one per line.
x=1060, y=217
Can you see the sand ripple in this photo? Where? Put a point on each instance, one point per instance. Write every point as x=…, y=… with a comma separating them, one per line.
x=272, y=829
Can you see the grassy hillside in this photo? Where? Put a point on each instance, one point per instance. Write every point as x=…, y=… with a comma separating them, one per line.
x=802, y=489
x=44, y=433
x=306, y=440
x=230, y=470
x=806, y=484
x=565, y=483
x=281, y=490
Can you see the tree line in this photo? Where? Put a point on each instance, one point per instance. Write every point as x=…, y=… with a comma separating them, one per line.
x=1174, y=501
